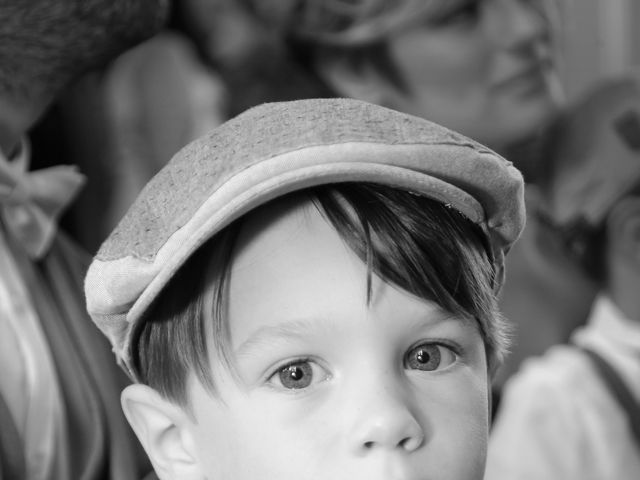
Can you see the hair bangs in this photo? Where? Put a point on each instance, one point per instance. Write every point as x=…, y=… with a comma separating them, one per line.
x=422, y=246
x=416, y=243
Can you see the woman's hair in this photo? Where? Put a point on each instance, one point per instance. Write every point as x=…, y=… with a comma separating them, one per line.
x=346, y=23
x=44, y=44
x=418, y=244
x=352, y=23
x=298, y=38
x=280, y=62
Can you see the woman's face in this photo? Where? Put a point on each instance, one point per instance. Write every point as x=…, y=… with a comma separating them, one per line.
x=482, y=67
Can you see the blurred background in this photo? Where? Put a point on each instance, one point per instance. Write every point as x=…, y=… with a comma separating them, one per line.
x=132, y=117
x=215, y=58
x=600, y=39
x=552, y=85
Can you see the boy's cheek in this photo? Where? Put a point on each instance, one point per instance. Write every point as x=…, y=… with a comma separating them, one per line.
x=246, y=440
x=465, y=424
x=280, y=436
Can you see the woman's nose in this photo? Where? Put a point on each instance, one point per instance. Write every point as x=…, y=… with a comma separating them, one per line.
x=385, y=422
x=523, y=23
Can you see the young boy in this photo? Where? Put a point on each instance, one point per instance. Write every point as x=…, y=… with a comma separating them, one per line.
x=309, y=293
x=574, y=413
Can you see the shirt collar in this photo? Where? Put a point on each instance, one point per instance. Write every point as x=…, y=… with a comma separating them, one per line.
x=608, y=321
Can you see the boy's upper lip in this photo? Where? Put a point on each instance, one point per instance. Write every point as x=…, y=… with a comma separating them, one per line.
x=391, y=466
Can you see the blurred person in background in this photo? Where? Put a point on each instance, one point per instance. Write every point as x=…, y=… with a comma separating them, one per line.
x=484, y=68
x=59, y=390
x=574, y=413
x=120, y=123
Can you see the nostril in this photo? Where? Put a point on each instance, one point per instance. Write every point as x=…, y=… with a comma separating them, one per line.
x=411, y=443
x=407, y=443
x=404, y=442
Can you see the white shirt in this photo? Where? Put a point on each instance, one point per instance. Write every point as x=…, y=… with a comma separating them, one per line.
x=558, y=420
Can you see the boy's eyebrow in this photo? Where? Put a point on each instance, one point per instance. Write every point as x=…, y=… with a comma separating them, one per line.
x=306, y=327
x=289, y=330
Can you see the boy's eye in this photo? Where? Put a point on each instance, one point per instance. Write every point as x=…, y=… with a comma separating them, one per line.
x=429, y=357
x=297, y=375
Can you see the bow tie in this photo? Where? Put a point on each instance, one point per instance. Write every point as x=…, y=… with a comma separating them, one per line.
x=31, y=202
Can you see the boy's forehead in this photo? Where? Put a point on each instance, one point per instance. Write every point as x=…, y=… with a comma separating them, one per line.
x=288, y=260
x=287, y=255
x=293, y=276
x=272, y=228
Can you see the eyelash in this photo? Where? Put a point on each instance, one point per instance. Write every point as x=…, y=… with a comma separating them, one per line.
x=442, y=342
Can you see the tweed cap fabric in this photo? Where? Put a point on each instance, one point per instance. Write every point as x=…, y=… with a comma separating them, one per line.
x=275, y=149
x=595, y=153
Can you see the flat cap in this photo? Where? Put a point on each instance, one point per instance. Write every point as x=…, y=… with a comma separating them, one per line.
x=272, y=150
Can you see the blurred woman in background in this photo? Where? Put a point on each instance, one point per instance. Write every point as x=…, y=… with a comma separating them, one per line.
x=482, y=67
x=485, y=68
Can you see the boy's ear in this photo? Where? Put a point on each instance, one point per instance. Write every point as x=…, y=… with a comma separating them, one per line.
x=361, y=81
x=162, y=428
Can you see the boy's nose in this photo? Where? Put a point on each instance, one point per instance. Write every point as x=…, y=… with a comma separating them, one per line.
x=385, y=422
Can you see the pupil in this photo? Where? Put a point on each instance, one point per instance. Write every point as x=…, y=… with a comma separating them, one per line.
x=422, y=356
x=297, y=375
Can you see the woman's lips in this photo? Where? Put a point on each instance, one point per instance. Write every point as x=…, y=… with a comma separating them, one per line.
x=529, y=79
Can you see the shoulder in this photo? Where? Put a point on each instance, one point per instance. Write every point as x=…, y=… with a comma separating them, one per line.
x=560, y=386
x=561, y=368
x=547, y=387
x=540, y=429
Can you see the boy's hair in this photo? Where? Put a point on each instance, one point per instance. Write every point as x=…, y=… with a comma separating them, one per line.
x=413, y=242
x=45, y=43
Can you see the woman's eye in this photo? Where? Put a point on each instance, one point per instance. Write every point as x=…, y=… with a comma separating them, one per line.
x=429, y=357
x=297, y=375
x=464, y=13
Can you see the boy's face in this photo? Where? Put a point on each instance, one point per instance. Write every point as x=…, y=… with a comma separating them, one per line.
x=327, y=385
